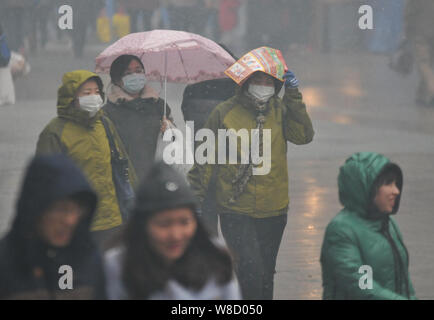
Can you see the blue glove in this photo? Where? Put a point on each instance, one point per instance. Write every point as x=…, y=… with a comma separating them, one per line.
x=290, y=80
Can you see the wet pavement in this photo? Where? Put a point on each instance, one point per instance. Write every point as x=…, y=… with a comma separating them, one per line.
x=356, y=104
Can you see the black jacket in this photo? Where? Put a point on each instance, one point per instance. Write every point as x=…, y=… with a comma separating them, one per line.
x=29, y=268
x=138, y=124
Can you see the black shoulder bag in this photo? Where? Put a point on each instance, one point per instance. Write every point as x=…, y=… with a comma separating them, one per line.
x=120, y=173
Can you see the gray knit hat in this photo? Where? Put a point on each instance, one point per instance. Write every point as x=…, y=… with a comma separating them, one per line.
x=164, y=188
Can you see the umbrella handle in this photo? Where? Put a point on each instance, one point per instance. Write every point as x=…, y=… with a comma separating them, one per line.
x=165, y=84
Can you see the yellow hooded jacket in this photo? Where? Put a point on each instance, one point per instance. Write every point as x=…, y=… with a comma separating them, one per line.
x=83, y=138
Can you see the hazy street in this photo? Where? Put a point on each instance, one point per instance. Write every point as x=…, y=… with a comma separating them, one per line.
x=356, y=104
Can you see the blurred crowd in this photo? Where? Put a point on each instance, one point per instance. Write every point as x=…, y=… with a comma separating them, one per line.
x=402, y=29
x=30, y=24
x=95, y=200
x=310, y=23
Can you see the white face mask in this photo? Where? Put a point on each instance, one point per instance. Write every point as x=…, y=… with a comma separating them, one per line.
x=134, y=83
x=262, y=93
x=91, y=104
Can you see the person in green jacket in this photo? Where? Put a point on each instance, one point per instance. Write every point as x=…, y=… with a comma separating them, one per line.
x=78, y=131
x=253, y=208
x=363, y=255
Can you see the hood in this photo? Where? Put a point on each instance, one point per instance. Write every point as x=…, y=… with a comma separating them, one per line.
x=164, y=188
x=49, y=178
x=356, y=180
x=71, y=82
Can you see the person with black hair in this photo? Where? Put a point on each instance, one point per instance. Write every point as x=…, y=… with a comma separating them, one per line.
x=165, y=252
x=136, y=111
x=363, y=255
x=54, y=210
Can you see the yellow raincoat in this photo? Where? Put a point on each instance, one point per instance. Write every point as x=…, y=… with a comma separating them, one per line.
x=84, y=139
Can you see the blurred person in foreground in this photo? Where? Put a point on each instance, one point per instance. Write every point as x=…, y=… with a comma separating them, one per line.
x=166, y=253
x=253, y=208
x=51, y=229
x=363, y=233
x=82, y=132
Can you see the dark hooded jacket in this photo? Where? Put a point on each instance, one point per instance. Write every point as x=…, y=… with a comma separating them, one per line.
x=29, y=268
x=359, y=235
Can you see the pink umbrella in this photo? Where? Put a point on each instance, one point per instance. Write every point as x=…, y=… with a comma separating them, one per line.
x=175, y=56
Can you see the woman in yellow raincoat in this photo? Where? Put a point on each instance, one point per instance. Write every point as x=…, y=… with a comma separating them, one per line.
x=79, y=132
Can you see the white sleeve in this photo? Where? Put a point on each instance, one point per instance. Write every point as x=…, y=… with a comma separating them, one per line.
x=231, y=290
x=113, y=273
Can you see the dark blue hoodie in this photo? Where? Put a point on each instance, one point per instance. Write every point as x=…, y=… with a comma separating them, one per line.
x=29, y=268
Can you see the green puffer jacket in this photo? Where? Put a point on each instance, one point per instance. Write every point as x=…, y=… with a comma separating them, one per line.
x=352, y=239
x=264, y=195
x=84, y=139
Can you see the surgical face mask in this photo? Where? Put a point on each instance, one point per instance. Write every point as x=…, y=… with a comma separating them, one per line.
x=91, y=104
x=134, y=83
x=262, y=93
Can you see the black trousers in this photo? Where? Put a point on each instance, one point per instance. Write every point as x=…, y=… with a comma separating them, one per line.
x=254, y=243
